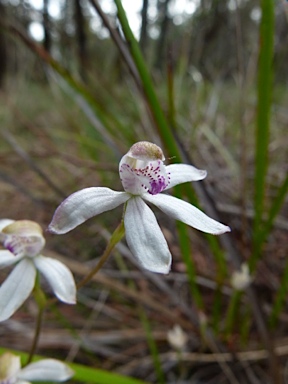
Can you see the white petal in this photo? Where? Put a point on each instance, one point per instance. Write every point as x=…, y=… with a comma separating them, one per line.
x=182, y=173
x=145, y=238
x=84, y=204
x=16, y=288
x=24, y=245
x=46, y=370
x=187, y=213
x=59, y=277
x=7, y=258
x=9, y=366
x=5, y=222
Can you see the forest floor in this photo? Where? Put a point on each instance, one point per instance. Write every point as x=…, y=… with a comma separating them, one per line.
x=48, y=151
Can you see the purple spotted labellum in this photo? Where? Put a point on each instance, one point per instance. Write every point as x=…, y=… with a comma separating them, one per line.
x=144, y=176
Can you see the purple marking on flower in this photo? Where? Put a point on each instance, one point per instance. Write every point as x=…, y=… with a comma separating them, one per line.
x=12, y=245
x=144, y=176
x=24, y=243
x=157, y=186
x=152, y=178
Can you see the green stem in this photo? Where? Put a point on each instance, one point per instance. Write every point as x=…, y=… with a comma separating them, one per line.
x=41, y=303
x=275, y=208
x=148, y=87
x=264, y=94
x=115, y=238
x=245, y=326
x=190, y=267
x=232, y=312
x=152, y=346
x=217, y=308
x=280, y=298
x=147, y=327
x=164, y=129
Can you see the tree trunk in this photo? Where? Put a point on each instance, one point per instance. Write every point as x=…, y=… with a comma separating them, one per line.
x=3, y=50
x=46, y=25
x=144, y=25
x=160, y=47
x=81, y=38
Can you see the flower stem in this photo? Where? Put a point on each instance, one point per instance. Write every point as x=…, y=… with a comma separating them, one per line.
x=41, y=303
x=154, y=352
x=115, y=238
x=280, y=299
x=162, y=125
x=232, y=312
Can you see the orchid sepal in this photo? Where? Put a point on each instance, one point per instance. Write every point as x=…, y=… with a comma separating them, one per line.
x=144, y=176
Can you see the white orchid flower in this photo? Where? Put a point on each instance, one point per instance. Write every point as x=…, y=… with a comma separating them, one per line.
x=144, y=176
x=177, y=338
x=24, y=242
x=241, y=279
x=44, y=370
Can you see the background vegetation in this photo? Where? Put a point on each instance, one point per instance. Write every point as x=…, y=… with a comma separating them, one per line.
x=210, y=87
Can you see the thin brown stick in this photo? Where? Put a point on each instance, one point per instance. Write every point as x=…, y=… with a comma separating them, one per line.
x=119, y=42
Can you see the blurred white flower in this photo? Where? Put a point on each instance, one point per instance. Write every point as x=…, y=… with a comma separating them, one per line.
x=44, y=370
x=240, y=280
x=144, y=176
x=177, y=338
x=24, y=242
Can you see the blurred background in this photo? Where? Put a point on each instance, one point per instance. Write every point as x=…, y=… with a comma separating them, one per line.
x=207, y=81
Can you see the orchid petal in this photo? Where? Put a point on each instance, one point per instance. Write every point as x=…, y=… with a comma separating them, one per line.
x=10, y=365
x=145, y=238
x=183, y=173
x=7, y=258
x=23, y=238
x=139, y=176
x=16, y=288
x=84, y=204
x=187, y=213
x=24, y=245
x=46, y=370
x=5, y=222
x=59, y=277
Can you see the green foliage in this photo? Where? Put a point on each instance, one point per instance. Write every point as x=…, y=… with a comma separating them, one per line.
x=265, y=77
x=99, y=119
x=84, y=374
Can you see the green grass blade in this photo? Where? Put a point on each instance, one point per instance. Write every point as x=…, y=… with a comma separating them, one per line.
x=274, y=210
x=100, y=120
x=148, y=87
x=165, y=132
x=161, y=121
x=190, y=268
x=280, y=299
x=232, y=313
x=85, y=374
x=152, y=347
x=92, y=375
x=146, y=326
x=264, y=94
